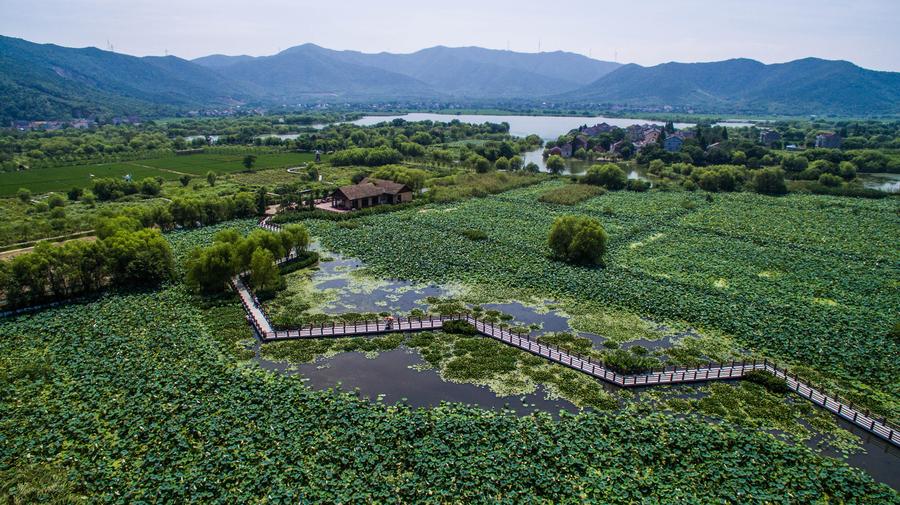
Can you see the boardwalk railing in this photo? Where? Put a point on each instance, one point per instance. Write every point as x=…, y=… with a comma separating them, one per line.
x=585, y=364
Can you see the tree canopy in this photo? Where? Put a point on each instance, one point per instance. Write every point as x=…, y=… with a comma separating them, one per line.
x=578, y=239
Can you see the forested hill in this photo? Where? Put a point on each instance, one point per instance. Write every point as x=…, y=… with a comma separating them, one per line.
x=807, y=86
x=46, y=81
x=39, y=81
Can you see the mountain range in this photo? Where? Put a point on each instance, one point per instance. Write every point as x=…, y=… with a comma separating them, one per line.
x=39, y=81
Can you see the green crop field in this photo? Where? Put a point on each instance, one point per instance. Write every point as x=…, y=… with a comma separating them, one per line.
x=809, y=279
x=63, y=178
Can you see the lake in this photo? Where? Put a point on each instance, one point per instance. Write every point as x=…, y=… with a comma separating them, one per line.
x=889, y=183
x=547, y=127
x=574, y=166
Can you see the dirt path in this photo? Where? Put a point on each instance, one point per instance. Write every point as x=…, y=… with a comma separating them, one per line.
x=5, y=255
x=159, y=168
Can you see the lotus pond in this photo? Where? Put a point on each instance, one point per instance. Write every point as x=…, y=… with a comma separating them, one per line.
x=429, y=368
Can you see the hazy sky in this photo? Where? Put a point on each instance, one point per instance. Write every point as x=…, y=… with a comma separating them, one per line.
x=647, y=32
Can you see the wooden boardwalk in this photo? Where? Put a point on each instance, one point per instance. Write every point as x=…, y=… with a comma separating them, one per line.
x=524, y=341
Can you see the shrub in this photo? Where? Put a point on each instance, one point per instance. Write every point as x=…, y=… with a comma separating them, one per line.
x=23, y=195
x=56, y=201
x=571, y=194
x=556, y=164
x=638, y=185
x=830, y=180
x=578, y=239
x=767, y=380
x=74, y=194
x=609, y=175
x=769, y=181
x=370, y=157
x=459, y=327
x=473, y=234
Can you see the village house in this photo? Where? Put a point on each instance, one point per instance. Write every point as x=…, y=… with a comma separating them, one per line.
x=769, y=137
x=828, y=140
x=616, y=148
x=593, y=131
x=673, y=143
x=369, y=193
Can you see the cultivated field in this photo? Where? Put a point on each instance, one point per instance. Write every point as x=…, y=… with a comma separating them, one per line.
x=63, y=178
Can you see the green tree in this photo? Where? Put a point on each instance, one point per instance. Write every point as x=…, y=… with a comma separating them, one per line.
x=297, y=236
x=480, y=163
x=556, y=164
x=847, y=170
x=262, y=201
x=263, y=271
x=531, y=168
x=210, y=268
x=211, y=178
x=75, y=193
x=184, y=180
x=609, y=175
x=501, y=164
x=515, y=163
x=769, y=181
x=578, y=239
x=23, y=195
x=150, y=186
x=248, y=162
x=830, y=180
x=55, y=201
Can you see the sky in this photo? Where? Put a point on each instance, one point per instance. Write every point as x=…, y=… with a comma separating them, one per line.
x=646, y=32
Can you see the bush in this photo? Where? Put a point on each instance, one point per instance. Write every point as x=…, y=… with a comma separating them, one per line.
x=458, y=327
x=571, y=194
x=609, y=175
x=370, y=157
x=556, y=164
x=23, y=195
x=74, y=194
x=830, y=180
x=55, y=201
x=475, y=235
x=578, y=239
x=767, y=380
x=769, y=181
x=638, y=185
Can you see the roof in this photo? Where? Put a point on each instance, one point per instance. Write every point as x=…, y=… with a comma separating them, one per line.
x=357, y=191
x=389, y=187
x=372, y=187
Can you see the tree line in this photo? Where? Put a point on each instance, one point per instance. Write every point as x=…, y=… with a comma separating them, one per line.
x=121, y=256
x=209, y=269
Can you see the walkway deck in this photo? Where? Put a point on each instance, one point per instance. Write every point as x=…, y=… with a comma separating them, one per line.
x=525, y=342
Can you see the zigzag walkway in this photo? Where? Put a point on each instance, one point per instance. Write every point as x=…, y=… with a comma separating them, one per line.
x=667, y=375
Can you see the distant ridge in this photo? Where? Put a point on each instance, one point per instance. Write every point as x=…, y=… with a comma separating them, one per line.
x=46, y=81
x=50, y=81
x=468, y=72
x=806, y=86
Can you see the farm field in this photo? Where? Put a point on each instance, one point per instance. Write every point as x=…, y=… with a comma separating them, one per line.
x=63, y=178
x=821, y=297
